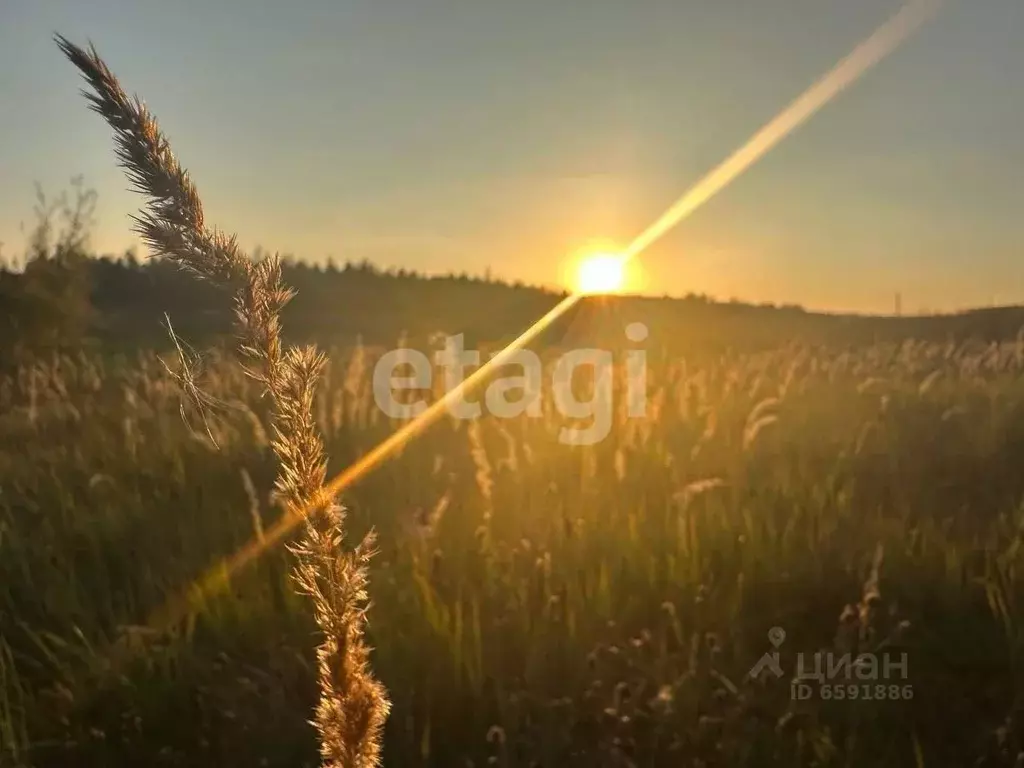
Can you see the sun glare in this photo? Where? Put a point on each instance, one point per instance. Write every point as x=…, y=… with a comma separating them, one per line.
x=601, y=273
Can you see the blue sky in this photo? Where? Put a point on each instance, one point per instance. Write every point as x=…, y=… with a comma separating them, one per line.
x=442, y=135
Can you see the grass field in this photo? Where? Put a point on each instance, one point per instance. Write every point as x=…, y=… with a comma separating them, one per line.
x=533, y=603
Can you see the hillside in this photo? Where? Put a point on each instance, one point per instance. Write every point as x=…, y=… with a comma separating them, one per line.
x=335, y=306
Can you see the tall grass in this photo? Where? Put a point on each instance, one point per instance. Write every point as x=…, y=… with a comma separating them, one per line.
x=353, y=705
x=534, y=603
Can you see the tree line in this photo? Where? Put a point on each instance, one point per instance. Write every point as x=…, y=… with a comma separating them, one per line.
x=61, y=297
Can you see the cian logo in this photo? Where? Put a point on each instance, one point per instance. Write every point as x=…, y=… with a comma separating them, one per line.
x=769, y=663
x=830, y=676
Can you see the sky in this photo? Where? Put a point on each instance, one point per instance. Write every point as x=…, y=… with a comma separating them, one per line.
x=444, y=135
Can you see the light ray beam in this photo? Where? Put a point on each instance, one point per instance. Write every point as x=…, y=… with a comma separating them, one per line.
x=883, y=41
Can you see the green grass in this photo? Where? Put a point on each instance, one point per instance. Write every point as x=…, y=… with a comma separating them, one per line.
x=533, y=603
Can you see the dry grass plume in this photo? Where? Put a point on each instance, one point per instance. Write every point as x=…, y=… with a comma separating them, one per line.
x=353, y=704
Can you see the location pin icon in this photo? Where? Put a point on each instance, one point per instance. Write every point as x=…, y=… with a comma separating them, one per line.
x=776, y=636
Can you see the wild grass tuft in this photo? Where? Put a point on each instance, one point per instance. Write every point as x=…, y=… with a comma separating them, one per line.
x=353, y=705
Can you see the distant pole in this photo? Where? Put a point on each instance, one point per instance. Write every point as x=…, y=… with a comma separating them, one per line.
x=899, y=304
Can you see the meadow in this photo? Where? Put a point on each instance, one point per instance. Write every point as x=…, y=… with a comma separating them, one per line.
x=838, y=501
x=532, y=603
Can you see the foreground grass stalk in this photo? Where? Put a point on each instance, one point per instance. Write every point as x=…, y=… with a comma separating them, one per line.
x=353, y=704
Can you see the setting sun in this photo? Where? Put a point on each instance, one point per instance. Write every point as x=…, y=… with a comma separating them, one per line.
x=601, y=273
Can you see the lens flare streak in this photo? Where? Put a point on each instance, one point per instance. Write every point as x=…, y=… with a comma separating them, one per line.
x=872, y=50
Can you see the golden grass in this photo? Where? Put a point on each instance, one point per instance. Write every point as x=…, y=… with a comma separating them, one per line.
x=353, y=705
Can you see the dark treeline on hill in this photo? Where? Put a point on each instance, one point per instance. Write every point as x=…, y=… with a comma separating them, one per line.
x=66, y=299
x=63, y=298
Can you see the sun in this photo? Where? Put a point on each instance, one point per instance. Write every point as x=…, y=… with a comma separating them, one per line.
x=601, y=273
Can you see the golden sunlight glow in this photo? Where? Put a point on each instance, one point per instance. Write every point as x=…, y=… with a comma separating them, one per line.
x=601, y=273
